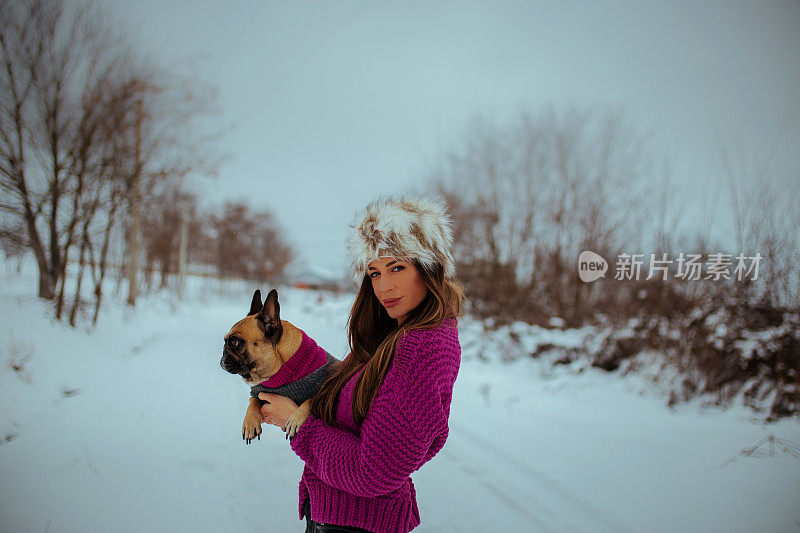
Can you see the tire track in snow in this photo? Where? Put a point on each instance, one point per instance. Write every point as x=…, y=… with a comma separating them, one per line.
x=527, y=487
x=466, y=464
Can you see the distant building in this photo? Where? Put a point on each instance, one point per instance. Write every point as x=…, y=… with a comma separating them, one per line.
x=314, y=277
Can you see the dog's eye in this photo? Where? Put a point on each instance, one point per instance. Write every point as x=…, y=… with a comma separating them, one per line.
x=234, y=342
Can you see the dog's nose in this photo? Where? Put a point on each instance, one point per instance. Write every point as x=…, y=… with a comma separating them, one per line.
x=229, y=364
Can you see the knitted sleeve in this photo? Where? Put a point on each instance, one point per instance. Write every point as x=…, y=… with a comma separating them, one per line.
x=409, y=412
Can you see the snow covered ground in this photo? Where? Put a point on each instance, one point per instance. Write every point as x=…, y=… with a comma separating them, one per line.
x=135, y=427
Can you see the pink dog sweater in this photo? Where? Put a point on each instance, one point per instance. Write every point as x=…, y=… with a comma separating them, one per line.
x=301, y=375
x=361, y=476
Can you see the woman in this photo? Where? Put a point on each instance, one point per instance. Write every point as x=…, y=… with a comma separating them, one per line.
x=384, y=412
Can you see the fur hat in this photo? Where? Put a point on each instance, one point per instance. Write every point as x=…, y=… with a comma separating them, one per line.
x=403, y=227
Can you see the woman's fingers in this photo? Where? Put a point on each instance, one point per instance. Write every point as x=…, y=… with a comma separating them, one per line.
x=276, y=408
x=267, y=396
x=266, y=412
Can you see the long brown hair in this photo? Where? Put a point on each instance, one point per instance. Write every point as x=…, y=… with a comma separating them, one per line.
x=373, y=337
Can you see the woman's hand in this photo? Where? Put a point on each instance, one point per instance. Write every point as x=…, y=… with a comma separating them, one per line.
x=277, y=409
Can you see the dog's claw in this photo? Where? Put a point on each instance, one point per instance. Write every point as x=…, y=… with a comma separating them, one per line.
x=250, y=432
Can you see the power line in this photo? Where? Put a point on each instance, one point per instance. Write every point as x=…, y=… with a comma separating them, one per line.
x=245, y=28
x=314, y=51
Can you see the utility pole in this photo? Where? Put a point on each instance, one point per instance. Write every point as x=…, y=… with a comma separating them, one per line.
x=134, y=246
x=183, y=246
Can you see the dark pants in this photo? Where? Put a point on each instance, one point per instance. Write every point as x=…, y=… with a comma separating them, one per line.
x=319, y=527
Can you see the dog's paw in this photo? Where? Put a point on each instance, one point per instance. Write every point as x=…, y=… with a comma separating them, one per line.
x=294, y=422
x=251, y=430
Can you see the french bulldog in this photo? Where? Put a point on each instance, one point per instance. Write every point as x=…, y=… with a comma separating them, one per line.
x=258, y=346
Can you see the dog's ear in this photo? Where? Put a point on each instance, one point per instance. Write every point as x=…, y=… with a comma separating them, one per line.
x=270, y=315
x=255, y=306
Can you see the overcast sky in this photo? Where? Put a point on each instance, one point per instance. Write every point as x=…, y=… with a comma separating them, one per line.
x=331, y=103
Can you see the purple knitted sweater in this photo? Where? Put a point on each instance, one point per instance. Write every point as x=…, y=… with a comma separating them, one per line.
x=361, y=476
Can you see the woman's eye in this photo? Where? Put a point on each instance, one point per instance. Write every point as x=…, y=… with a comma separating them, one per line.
x=372, y=274
x=398, y=266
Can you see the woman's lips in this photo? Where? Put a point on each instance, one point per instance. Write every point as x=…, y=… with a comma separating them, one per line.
x=391, y=303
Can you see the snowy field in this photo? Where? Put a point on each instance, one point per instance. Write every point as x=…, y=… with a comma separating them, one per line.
x=135, y=427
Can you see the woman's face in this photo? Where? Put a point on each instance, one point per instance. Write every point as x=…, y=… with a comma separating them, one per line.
x=397, y=285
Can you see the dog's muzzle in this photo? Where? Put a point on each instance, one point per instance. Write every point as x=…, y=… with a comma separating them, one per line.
x=230, y=363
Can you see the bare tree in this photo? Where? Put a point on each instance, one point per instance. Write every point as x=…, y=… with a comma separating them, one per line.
x=529, y=197
x=58, y=64
x=23, y=44
x=87, y=132
x=765, y=213
x=167, y=146
x=161, y=231
x=249, y=244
